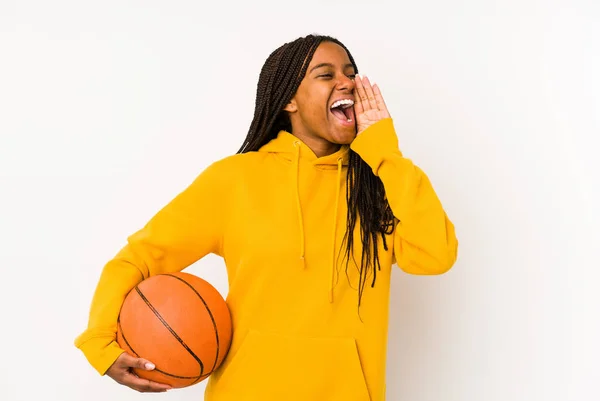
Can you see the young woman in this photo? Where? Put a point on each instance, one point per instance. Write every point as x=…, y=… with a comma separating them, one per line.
x=310, y=216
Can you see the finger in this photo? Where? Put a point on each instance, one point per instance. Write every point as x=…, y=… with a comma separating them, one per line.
x=380, y=102
x=144, y=385
x=130, y=361
x=362, y=95
x=370, y=94
x=358, y=107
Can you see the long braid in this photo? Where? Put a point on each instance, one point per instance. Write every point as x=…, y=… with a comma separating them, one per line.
x=367, y=203
x=278, y=82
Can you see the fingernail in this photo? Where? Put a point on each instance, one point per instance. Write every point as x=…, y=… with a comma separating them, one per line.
x=149, y=366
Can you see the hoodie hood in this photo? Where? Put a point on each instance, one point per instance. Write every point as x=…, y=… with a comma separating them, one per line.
x=293, y=149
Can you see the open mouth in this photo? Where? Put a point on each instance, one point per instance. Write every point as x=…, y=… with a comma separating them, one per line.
x=344, y=111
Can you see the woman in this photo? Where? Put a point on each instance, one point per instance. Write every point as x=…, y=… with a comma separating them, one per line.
x=310, y=216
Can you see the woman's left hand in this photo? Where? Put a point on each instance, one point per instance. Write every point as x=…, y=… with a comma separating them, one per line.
x=369, y=106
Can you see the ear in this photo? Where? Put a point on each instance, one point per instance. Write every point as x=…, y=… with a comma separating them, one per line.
x=291, y=107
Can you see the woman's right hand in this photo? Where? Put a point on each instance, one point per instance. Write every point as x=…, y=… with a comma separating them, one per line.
x=122, y=372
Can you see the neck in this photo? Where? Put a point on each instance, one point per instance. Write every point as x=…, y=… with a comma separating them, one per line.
x=319, y=146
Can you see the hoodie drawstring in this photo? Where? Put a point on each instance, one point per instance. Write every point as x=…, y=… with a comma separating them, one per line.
x=298, y=206
x=335, y=216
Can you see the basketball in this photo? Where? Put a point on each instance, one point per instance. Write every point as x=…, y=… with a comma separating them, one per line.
x=180, y=323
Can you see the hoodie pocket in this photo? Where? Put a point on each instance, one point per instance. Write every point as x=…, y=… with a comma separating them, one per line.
x=273, y=367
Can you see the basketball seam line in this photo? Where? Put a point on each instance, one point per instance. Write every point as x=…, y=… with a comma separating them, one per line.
x=212, y=318
x=163, y=321
x=155, y=369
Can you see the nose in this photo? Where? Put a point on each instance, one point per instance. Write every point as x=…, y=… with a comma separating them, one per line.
x=346, y=83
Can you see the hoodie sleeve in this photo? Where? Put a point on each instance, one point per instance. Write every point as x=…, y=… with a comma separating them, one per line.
x=189, y=227
x=425, y=242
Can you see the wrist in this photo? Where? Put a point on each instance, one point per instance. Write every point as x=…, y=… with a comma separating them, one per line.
x=376, y=142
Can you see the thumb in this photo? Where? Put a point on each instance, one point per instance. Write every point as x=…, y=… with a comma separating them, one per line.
x=139, y=363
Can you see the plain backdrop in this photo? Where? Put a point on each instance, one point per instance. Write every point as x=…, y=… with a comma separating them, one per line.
x=109, y=109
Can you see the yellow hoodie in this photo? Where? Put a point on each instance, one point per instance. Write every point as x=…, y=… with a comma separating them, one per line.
x=278, y=218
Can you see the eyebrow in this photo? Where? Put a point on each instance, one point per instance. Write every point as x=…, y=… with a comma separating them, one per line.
x=328, y=65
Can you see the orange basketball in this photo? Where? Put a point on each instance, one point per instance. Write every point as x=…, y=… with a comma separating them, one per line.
x=180, y=323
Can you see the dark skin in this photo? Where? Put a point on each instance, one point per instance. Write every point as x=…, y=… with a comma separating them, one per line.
x=330, y=76
x=121, y=371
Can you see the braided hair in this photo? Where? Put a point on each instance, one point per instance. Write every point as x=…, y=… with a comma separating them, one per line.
x=278, y=82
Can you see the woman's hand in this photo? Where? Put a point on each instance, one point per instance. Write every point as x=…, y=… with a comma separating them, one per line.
x=121, y=371
x=369, y=106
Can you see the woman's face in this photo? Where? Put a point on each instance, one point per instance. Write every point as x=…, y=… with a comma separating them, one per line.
x=329, y=79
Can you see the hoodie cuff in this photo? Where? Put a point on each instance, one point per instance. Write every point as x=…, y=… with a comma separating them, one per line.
x=101, y=352
x=376, y=143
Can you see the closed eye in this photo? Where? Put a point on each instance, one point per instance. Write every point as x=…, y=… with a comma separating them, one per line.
x=351, y=76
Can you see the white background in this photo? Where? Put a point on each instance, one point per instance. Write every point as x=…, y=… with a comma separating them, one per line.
x=109, y=109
